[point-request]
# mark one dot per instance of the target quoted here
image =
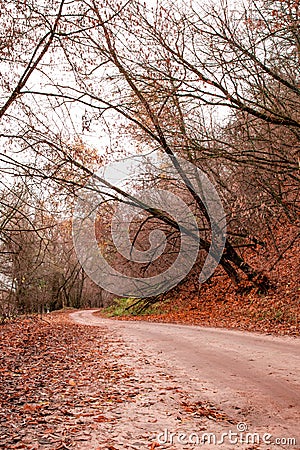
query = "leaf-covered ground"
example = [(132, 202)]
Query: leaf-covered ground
[(57, 383), (69, 386)]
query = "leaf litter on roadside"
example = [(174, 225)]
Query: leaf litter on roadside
[(56, 382)]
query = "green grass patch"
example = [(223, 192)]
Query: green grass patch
[(130, 307)]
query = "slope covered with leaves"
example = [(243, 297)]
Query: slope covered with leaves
[(218, 303)]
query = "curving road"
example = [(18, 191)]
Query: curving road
[(253, 378)]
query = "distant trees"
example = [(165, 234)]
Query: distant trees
[(38, 264)]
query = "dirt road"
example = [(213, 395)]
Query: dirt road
[(253, 378)]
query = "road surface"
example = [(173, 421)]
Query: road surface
[(251, 377)]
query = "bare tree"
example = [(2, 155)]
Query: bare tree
[(169, 73)]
